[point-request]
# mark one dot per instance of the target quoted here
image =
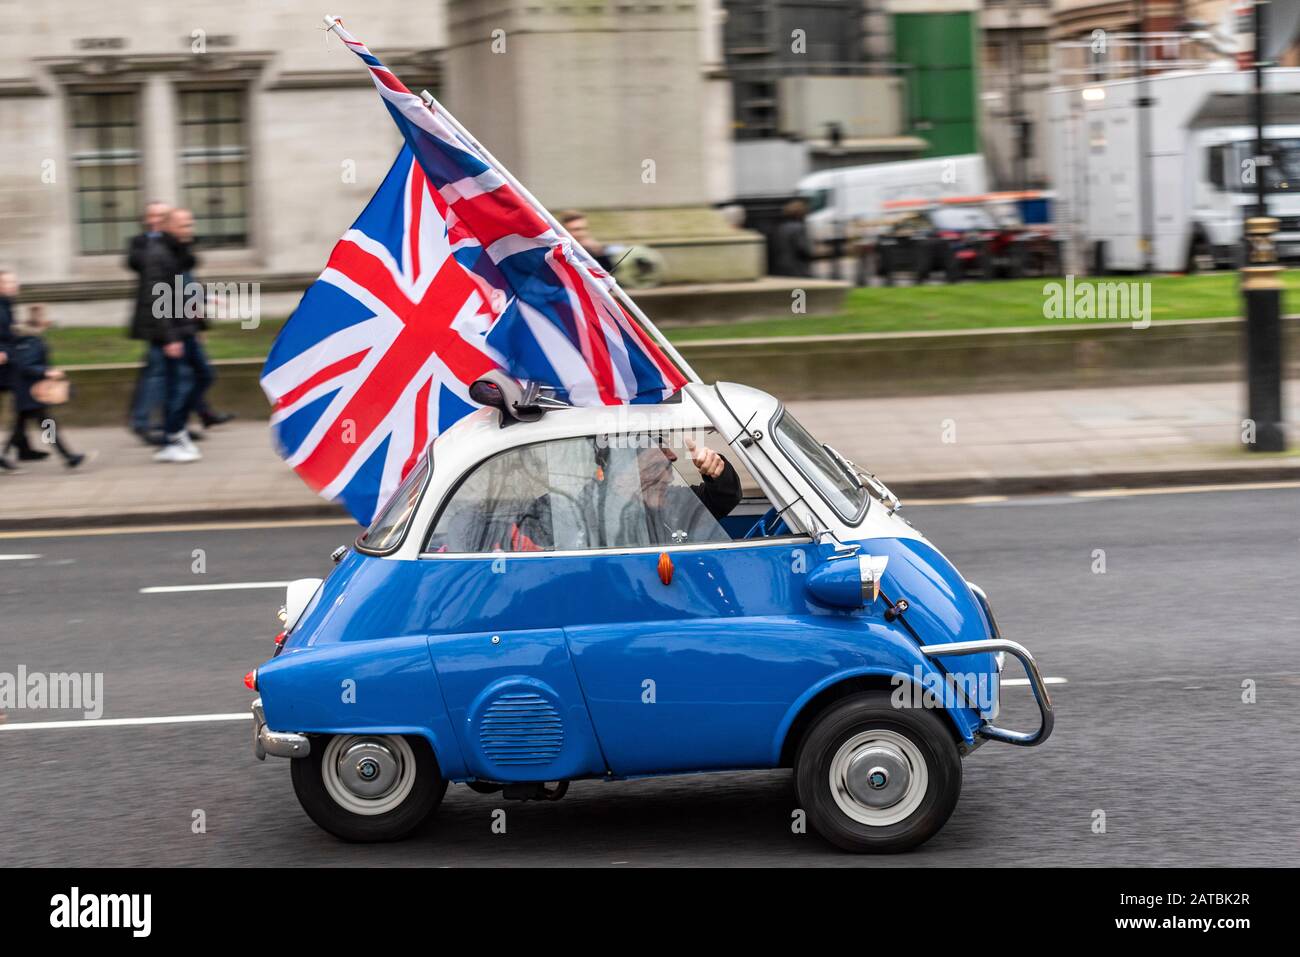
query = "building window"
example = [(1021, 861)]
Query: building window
[(214, 165), (106, 164)]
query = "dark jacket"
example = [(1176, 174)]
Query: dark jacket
[(135, 251), (164, 260), (30, 360), (6, 337), (791, 251)]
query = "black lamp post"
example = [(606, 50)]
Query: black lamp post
[(1261, 285)]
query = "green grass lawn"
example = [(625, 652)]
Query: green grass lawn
[(969, 305), (983, 305), (226, 340)]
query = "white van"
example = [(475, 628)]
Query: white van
[(839, 198)]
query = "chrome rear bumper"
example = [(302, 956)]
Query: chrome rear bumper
[(280, 744), (1025, 739)]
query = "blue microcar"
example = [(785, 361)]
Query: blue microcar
[(557, 593)]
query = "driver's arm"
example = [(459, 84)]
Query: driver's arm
[(719, 491)]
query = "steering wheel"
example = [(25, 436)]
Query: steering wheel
[(761, 528)]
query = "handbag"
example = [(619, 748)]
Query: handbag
[(51, 391)]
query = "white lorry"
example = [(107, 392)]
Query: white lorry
[(1199, 164), (842, 201)]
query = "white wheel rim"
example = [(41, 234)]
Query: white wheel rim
[(900, 777), (393, 779)]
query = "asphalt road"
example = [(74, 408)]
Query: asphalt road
[(1201, 592)]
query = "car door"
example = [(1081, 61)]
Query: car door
[(689, 645), (497, 605)]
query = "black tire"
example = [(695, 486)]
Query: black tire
[(922, 260), (1018, 261), (1099, 264), (952, 266), (423, 799), (1197, 249), (931, 738)]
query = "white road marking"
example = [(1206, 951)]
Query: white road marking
[(17, 558), (1013, 682), (224, 586), (126, 722)]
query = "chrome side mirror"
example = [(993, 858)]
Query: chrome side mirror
[(871, 569), (848, 580)]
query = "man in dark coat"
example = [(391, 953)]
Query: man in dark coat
[(174, 320), (150, 385), (791, 250), (8, 290), (148, 394)]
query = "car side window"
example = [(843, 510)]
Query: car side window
[(581, 493)]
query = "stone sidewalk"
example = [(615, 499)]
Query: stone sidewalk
[(929, 446)]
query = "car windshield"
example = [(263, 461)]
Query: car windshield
[(389, 526), (828, 471), (817, 199), (1281, 174)]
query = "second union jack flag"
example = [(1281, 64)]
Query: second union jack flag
[(447, 274)]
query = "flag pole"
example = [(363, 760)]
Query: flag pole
[(556, 225)]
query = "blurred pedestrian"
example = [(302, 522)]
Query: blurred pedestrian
[(791, 252), (8, 290), (575, 221), (174, 326), (149, 385), (147, 415), (36, 385)]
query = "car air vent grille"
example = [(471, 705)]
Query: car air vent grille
[(521, 728)]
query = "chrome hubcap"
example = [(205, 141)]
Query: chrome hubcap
[(368, 775), (368, 769), (878, 777)]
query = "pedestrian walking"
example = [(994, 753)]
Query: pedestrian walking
[(147, 415), (791, 250), (36, 385), (174, 326), (8, 290), (147, 396)]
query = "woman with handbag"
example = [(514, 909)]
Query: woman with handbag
[(36, 386)]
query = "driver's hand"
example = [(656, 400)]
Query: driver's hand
[(709, 463)]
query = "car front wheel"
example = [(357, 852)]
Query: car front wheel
[(368, 788), (875, 778)]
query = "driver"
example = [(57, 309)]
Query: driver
[(647, 503), (719, 492)]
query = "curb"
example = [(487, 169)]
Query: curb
[(971, 486), (956, 487)]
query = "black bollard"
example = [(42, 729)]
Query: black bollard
[(1261, 286)]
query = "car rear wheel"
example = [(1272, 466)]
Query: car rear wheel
[(369, 787), (875, 778)]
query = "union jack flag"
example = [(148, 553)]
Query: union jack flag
[(447, 274)]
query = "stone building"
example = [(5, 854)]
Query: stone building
[(246, 111), (259, 120)]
